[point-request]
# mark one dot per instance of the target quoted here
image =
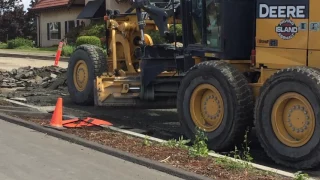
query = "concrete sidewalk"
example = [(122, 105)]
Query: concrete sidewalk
[(29, 155), (41, 55)]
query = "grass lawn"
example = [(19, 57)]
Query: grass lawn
[(42, 49), (26, 48), (47, 49)]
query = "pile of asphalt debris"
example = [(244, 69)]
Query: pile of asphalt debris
[(47, 77)]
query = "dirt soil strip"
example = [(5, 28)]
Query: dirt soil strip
[(171, 160)]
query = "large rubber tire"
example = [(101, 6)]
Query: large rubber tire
[(237, 100), (96, 63), (303, 81)]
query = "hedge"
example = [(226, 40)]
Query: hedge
[(19, 42), (93, 40)]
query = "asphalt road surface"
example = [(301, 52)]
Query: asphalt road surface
[(29, 155)]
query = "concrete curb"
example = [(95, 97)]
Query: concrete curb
[(104, 149), (39, 57)]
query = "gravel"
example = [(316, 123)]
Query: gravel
[(36, 82), (43, 77)]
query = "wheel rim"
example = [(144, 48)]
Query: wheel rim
[(80, 75), (206, 107), (293, 119)]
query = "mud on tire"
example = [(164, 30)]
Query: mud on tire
[(303, 81), (237, 99), (96, 63)]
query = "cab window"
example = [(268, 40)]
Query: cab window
[(213, 29), (197, 14)]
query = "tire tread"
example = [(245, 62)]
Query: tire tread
[(98, 59), (314, 75), (243, 116)]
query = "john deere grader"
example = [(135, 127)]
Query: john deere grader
[(237, 64)]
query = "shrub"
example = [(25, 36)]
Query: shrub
[(67, 50), (156, 37), (73, 34), (18, 42), (93, 40), (3, 45), (178, 29), (94, 30), (103, 42)]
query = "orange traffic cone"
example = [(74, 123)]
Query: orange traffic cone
[(56, 120)]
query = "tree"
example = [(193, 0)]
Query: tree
[(11, 19), (30, 26), (8, 5)]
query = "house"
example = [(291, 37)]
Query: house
[(56, 17)]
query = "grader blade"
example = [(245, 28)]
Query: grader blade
[(125, 92)]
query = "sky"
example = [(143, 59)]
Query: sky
[(26, 4)]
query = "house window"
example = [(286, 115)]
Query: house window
[(54, 30), (69, 25)]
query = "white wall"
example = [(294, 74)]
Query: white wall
[(112, 4), (61, 16)]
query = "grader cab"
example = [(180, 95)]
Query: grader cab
[(238, 64)]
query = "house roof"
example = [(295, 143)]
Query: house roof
[(93, 9), (45, 4)]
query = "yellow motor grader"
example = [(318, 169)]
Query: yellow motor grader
[(238, 64)]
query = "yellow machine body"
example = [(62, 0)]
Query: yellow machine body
[(295, 38), (277, 90), (112, 88)]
